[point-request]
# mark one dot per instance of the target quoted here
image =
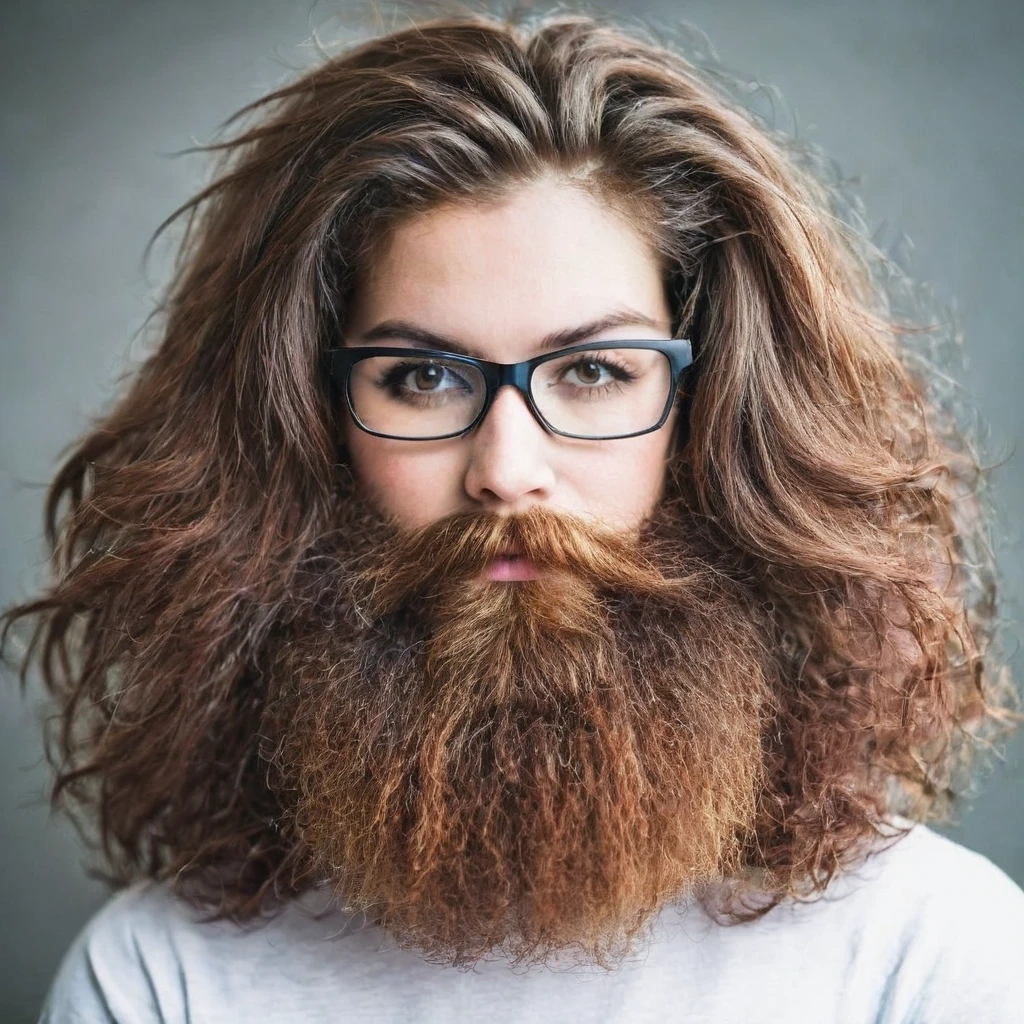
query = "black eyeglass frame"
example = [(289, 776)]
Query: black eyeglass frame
[(678, 351)]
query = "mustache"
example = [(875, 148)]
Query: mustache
[(421, 563)]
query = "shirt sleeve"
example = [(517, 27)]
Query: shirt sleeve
[(968, 953), (111, 974)]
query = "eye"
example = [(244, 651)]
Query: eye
[(589, 372), (426, 377), (423, 377)]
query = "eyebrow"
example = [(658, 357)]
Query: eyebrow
[(403, 330)]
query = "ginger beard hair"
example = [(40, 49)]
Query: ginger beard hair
[(536, 766)]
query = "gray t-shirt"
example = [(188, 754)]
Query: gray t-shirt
[(925, 932)]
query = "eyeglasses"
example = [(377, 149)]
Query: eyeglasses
[(604, 390)]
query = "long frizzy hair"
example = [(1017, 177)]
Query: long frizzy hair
[(815, 468)]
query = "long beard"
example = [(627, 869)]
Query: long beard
[(533, 767)]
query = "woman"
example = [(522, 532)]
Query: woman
[(528, 544)]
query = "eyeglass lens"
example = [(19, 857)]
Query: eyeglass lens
[(604, 393)]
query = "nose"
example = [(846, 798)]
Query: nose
[(509, 464)]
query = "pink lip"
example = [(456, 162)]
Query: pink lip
[(510, 568)]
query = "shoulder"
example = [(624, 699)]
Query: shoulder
[(932, 877), (103, 975), (149, 956), (946, 926), (120, 966)]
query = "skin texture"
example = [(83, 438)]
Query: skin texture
[(497, 279)]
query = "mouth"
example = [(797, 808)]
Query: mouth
[(510, 567)]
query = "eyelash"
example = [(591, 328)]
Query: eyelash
[(392, 377), (617, 369)]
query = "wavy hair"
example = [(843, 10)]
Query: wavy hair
[(817, 470)]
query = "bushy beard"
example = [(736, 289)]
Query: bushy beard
[(533, 768)]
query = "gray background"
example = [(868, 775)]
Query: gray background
[(921, 99)]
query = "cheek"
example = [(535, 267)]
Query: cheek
[(621, 481), (417, 482)]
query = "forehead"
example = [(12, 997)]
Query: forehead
[(499, 277)]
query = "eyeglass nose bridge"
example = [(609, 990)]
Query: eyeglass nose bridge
[(515, 375)]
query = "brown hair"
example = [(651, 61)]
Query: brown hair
[(817, 472)]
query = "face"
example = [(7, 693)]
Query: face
[(530, 768), (505, 716), (496, 280)]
